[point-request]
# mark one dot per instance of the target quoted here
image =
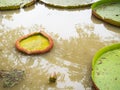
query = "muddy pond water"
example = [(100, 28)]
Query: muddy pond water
[(77, 37)]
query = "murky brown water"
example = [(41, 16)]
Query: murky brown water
[(77, 37)]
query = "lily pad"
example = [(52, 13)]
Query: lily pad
[(106, 68), (35, 43), (108, 11), (68, 3), (15, 4)]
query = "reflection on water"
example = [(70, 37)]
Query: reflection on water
[(76, 39)]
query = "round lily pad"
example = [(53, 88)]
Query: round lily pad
[(35, 43), (68, 3), (106, 68), (108, 11), (15, 4)]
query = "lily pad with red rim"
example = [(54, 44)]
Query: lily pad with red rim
[(68, 3), (108, 11), (106, 68), (15, 4), (35, 43)]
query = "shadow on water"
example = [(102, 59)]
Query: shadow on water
[(106, 25), (112, 28), (96, 20), (11, 12), (30, 8)]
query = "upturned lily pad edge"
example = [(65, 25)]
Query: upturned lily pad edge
[(98, 54), (110, 21), (67, 6), (17, 6), (48, 4), (18, 47)]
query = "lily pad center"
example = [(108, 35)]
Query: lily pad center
[(35, 42)]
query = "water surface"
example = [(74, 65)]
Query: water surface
[(77, 37)]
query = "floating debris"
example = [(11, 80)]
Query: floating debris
[(53, 78), (11, 78)]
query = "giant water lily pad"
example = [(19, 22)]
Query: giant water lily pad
[(106, 68), (68, 3), (108, 11), (15, 4), (35, 43)]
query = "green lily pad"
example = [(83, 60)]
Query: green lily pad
[(108, 11), (68, 3), (106, 68), (15, 4)]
